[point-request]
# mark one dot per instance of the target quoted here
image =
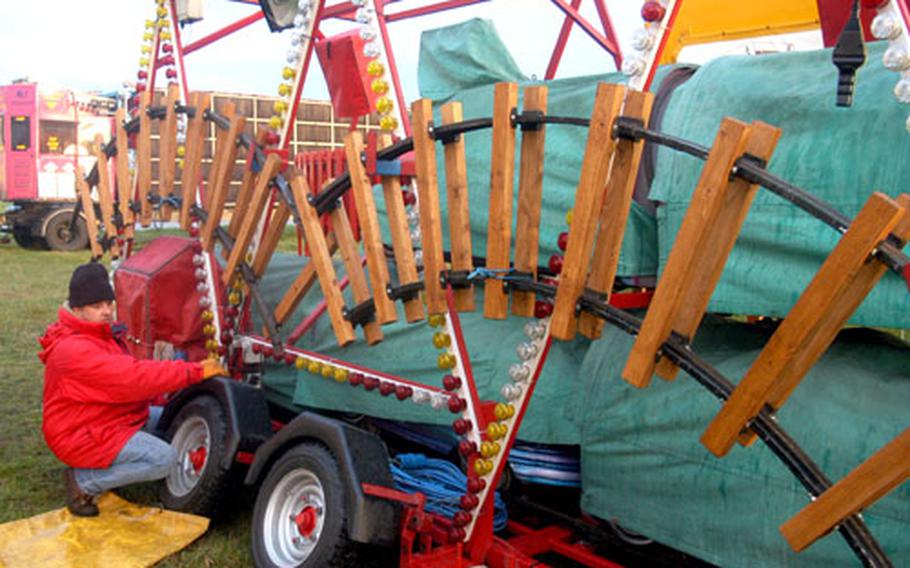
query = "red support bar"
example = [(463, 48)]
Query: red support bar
[(609, 44), (609, 30), (432, 9), (560, 46), (223, 32)]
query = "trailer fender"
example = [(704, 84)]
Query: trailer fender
[(245, 409), (362, 458)]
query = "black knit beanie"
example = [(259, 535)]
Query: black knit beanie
[(89, 285)]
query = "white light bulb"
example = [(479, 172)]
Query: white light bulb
[(535, 330), (198, 260), (296, 39), (367, 33), (526, 350), (305, 7), (415, 236), (418, 258), (300, 21), (364, 15), (519, 372), (633, 66), (200, 274), (511, 392), (643, 40), (885, 27), (439, 402), (420, 397), (896, 58), (202, 288), (902, 91), (372, 50), (359, 2), (204, 302), (293, 56), (413, 217)]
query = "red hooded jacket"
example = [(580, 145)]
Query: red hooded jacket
[(96, 396)]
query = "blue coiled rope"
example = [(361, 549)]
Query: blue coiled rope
[(443, 484)]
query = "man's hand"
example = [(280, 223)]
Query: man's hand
[(212, 368)]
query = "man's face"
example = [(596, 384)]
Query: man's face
[(99, 312)]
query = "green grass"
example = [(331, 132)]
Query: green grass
[(34, 286)]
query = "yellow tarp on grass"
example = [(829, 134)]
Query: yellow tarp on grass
[(123, 535)]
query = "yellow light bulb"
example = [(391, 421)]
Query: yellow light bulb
[(180, 163), (327, 371), (143, 62), (148, 36), (276, 122), (569, 217), (208, 329), (436, 320), (165, 35), (279, 107), (384, 105), (288, 73), (314, 367), (379, 86), (211, 345), (146, 49), (181, 151), (445, 361), (341, 375), (388, 123), (234, 298), (375, 68), (162, 11), (149, 24), (284, 89), (300, 363), (441, 339), (207, 315)]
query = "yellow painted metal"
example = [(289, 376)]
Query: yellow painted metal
[(123, 535), (707, 21)]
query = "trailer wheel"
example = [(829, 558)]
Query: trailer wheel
[(299, 517), (25, 239), (59, 236), (198, 483)]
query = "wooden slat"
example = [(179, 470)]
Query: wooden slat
[(502, 182), (124, 179), (321, 259), (301, 285), (832, 321), (459, 207), (595, 167), (369, 229), (428, 203), (223, 166), (530, 195), (192, 157), (353, 268), (251, 216), (401, 237), (88, 210), (269, 241), (144, 160), (614, 213), (869, 482), (694, 233), (827, 289), (709, 264), (246, 188), (105, 199), (167, 149)]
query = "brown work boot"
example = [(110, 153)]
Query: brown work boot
[(78, 502)]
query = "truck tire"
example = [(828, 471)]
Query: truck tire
[(58, 235), (25, 239), (299, 516), (198, 484)]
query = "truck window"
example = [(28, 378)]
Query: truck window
[(20, 133), (57, 137)]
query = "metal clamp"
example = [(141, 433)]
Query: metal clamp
[(361, 314), (405, 292)]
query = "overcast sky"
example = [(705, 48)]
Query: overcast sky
[(95, 44)]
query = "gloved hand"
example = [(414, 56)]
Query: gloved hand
[(212, 368)]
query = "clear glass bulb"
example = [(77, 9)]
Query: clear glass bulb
[(365, 14), (359, 2), (204, 302), (534, 330), (372, 49), (200, 274), (439, 402), (418, 258), (293, 56), (511, 391), (895, 58), (304, 7), (902, 91), (885, 27), (202, 288), (642, 40), (198, 260), (300, 21), (415, 236), (367, 33), (519, 372), (420, 396), (296, 39), (413, 217), (633, 66)]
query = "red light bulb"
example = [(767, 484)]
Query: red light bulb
[(370, 383), (456, 403), (563, 240), (461, 519), (652, 11), (451, 382), (542, 309), (555, 264), (461, 426), (403, 392), (408, 197), (386, 388), (469, 502), (476, 484), (356, 379), (467, 448)]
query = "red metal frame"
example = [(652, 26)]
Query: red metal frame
[(607, 41)]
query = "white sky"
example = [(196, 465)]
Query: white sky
[(95, 44)]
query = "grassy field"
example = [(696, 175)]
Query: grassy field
[(34, 286)]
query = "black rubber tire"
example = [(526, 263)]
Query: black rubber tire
[(210, 491), (332, 544), (25, 239), (58, 235)]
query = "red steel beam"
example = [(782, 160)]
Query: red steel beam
[(560, 46), (607, 24), (607, 43), (431, 9), (223, 32)]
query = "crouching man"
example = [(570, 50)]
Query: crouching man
[(97, 396)]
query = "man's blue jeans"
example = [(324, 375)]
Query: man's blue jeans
[(143, 458)]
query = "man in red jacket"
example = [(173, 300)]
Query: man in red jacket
[(96, 396)]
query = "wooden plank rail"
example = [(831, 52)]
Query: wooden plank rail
[(192, 157), (167, 150), (428, 203), (222, 167), (588, 197), (124, 179), (401, 238), (251, 215), (764, 382), (269, 242), (321, 258), (696, 230), (369, 229), (144, 160), (105, 199), (246, 188), (709, 264), (530, 195), (869, 482), (502, 181), (459, 207), (614, 214), (360, 290), (88, 210)]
